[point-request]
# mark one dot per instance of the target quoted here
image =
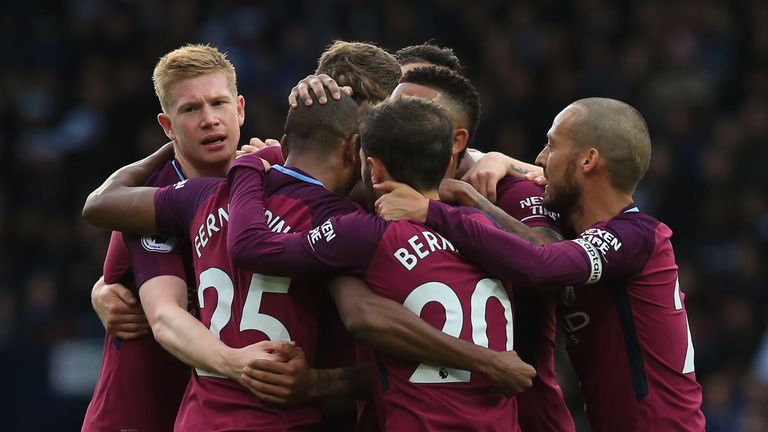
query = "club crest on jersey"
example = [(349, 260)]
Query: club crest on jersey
[(159, 243)]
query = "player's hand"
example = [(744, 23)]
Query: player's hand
[(119, 310), (536, 177), (458, 192), (317, 85), (285, 382), (255, 145), (487, 172), (510, 373), (400, 201)]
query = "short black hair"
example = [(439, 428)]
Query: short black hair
[(412, 137), (455, 86), (429, 53), (322, 126)]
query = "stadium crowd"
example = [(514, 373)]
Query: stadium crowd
[(77, 102)]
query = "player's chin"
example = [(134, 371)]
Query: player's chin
[(218, 157)]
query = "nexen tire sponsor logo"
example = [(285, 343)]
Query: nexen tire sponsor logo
[(595, 260)]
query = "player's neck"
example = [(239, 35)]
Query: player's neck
[(596, 206), (191, 170), (325, 171)]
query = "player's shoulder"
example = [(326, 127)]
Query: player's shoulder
[(632, 219), (630, 229), (518, 186), (166, 174)]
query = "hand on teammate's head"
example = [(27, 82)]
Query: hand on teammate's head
[(317, 84)]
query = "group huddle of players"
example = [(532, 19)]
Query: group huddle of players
[(347, 280)]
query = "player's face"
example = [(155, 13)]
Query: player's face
[(204, 121), (558, 158)]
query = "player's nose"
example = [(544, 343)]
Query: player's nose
[(209, 116)]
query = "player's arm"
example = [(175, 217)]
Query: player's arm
[(293, 382), (250, 243), (253, 246), (462, 193), (120, 203), (165, 302), (485, 174), (389, 327), (495, 251)]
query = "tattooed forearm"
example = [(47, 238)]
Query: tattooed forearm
[(519, 170), (508, 223)]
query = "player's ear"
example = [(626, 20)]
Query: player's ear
[(284, 146), (379, 172), (351, 150), (165, 123), (590, 160), (460, 140), (240, 109)]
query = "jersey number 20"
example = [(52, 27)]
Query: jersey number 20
[(454, 321)]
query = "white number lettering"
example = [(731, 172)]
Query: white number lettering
[(688, 366), (251, 319), (454, 321), (267, 324)]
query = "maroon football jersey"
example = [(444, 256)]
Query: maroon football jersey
[(140, 384), (541, 408), (241, 307), (408, 263), (627, 330)]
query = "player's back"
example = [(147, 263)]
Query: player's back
[(420, 269), (628, 334), (242, 308)]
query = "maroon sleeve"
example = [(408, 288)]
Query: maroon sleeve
[(523, 201), (511, 258), (176, 205), (624, 244), (340, 243), (271, 154), (153, 256), (118, 260)]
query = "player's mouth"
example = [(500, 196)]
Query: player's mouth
[(214, 141)]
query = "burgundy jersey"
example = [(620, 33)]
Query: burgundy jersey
[(241, 307), (627, 333), (140, 384), (408, 263), (542, 407)]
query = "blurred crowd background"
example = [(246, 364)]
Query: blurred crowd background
[(76, 102)]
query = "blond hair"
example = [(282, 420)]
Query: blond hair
[(190, 61)]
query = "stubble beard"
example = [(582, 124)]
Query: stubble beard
[(565, 198)]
